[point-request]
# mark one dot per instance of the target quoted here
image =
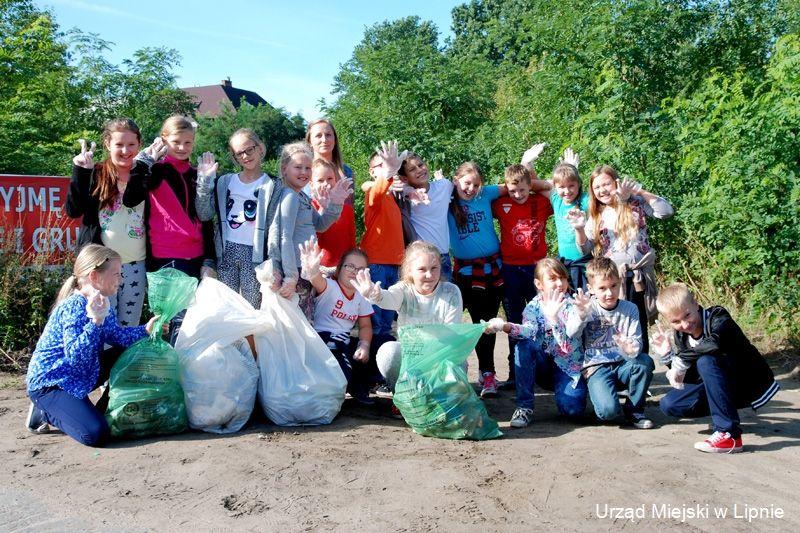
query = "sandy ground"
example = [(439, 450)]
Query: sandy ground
[(371, 472)]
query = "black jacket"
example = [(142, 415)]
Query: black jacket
[(722, 337), (82, 203)]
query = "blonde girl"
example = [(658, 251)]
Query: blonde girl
[(95, 194), (69, 361)]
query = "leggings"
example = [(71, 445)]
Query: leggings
[(237, 271), (482, 304), (130, 297)]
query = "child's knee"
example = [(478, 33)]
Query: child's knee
[(571, 406), (607, 408), (95, 433)]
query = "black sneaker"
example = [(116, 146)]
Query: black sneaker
[(35, 421), (383, 391), (639, 421)]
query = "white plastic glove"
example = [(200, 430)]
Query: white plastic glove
[(86, 158), (97, 307), (659, 342), (341, 191), (207, 169), (310, 259), (571, 157), (629, 347), (532, 154), (157, 150), (582, 302), (675, 378), (364, 285), (416, 196), (495, 325), (576, 218), (627, 188), (288, 288), (438, 174), (362, 352), (391, 159), (551, 303)]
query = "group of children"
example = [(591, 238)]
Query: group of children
[(153, 209)]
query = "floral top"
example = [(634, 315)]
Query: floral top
[(566, 351), (67, 355), (122, 229)]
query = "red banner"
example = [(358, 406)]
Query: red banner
[(32, 217)]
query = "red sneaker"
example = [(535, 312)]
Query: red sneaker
[(720, 442), (489, 389)]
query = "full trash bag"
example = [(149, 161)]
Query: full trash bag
[(145, 395), (301, 381), (432, 392), (218, 372)]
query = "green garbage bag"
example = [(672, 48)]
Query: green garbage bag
[(432, 391), (145, 395)]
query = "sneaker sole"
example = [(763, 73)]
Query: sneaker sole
[(700, 448), (489, 394)]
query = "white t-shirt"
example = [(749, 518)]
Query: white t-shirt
[(336, 313), (122, 228), (443, 306), (430, 221), (240, 209)]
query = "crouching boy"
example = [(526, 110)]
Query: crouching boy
[(714, 368), (612, 343)]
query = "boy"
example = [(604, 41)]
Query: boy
[(544, 354), (522, 217), (714, 368), (612, 343)]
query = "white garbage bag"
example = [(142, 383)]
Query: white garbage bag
[(218, 373)]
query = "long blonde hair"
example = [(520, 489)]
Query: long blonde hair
[(625, 225), (91, 257), (412, 251)]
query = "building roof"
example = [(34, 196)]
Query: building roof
[(211, 98)]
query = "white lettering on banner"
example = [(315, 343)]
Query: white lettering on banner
[(17, 239), (52, 239), (31, 198)]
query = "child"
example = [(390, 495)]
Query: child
[(429, 217), (383, 228), (714, 368), (612, 343), (341, 236), (544, 353), (522, 217), (421, 297), (95, 194), (245, 206), (617, 228), (476, 268), (337, 308), (298, 221), (69, 361)]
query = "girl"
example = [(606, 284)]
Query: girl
[(297, 221), (476, 250), (546, 354), (420, 297), (617, 228), (429, 218), (341, 236), (337, 308), (321, 135), (69, 361), (245, 205), (95, 193), (175, 234)]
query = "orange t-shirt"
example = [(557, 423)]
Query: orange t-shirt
[(383, 226)]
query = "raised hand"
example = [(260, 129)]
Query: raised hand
[(157, 150), (310, 259), (629, 347), (207, 167), (571, 157), (495, 325), (364, 285), (322, 196), (417, 196), (627, 188), (582, 302), (576, 218), (391, 159), (97, 307), (85, 159), (362, 352), (660, 341), (438, 174), (532, 154), (341, 191), (551, 302)]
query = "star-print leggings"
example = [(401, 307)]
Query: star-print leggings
[(130, 296)]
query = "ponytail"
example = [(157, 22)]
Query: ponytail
[(66, 289), (91, 257)]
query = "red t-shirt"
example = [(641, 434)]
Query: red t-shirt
[(339, 237), (522, 235)]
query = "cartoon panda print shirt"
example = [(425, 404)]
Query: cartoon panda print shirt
[(240, 209)]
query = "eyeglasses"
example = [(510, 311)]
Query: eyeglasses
[(250, 150), (350, 267)]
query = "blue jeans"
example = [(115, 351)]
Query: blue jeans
[(632, 374), (447, 268), (518, 290), (712, 394), (533, 365), (576, 268), (382, 319)]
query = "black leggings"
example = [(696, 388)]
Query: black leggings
[(637, 298), (482, 304)]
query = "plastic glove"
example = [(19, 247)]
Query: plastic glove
[(571, 157), (97, 307), (157, 150), (416, 196), (363, 284), (582, 302), (310, 259), (532, 154), (86, 158), (391, 159), (629, 347), (551, 303), (627, 188), (287, 288), (438, 174), (207, 169), (675, 377), (495, 325), (576, 218), (341, 191), (659, 342), (362, 352)]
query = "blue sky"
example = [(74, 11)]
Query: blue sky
[(287, 51)]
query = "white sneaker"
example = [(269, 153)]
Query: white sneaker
[(522, 418), (35, 421)]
